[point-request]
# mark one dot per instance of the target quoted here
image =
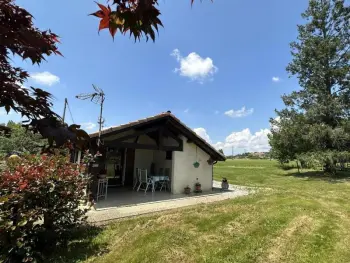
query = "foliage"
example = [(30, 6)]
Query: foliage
[(316, 118), (39, 204), (59, 133), (221, 151), (325, 159), (20, 140), (20, 37), (138, 17)]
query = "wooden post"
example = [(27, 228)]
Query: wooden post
[(124, 166), (79, 157)]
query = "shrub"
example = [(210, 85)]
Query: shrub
[(40, 199)]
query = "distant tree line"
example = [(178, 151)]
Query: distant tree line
[(249, 155)]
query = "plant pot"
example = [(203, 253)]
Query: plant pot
[(198, 188), (224, 185), (102, 176), (187, 190)]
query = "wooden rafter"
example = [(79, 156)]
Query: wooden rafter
[(132, 145)]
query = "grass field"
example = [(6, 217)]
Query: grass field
[(294, 218)]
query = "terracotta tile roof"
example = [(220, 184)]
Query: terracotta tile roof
[(168, 114), (131, 124)]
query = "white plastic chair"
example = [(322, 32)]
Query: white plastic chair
[(102, 189), (144, 180), (165, 183), (136, 178)]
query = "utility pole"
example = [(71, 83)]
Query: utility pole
[(64, 109), (232, 152)]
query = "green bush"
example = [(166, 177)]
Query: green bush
[(40, 199)]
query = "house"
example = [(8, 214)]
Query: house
[(154, 143)]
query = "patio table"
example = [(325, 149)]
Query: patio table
[(158, 178)]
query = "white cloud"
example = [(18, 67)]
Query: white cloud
[(276, 79), (194, 66), (241, 141), (202, 133), (186, 111), (245, 140), (243, 112), (45, 78), (88, 125)]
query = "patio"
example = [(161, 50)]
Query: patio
[(123, 196), (131, 203)]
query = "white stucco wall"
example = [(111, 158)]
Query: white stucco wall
[(185, 173), (144, 158)]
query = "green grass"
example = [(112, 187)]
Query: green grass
[(294, 218)]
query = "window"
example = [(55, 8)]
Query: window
[(168, 155)]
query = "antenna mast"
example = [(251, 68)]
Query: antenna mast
[(98, 97), (64, 109)]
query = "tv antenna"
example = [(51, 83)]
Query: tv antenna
[(98, 97)]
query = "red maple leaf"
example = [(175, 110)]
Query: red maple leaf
[(104, 14)]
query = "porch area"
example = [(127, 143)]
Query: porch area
[(118, 197), (160, 154), (125, 203)]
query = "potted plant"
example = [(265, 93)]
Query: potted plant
[(187, 189), (224, 184), (198, 187)]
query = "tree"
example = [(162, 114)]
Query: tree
[(20, 140), (315, 122)]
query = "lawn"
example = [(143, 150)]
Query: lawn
[(293, 218)]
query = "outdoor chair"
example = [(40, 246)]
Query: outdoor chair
[(144, 180), (136, 178), (168, 173), (165, 183), (102, 188)]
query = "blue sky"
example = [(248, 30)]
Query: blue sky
[(219, 67)]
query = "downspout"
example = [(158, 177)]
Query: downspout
[(212, 174)]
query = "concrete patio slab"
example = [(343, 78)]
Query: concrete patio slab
[(137, 203)]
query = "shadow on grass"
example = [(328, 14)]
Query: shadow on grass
[(340, 177), (80, 246)]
